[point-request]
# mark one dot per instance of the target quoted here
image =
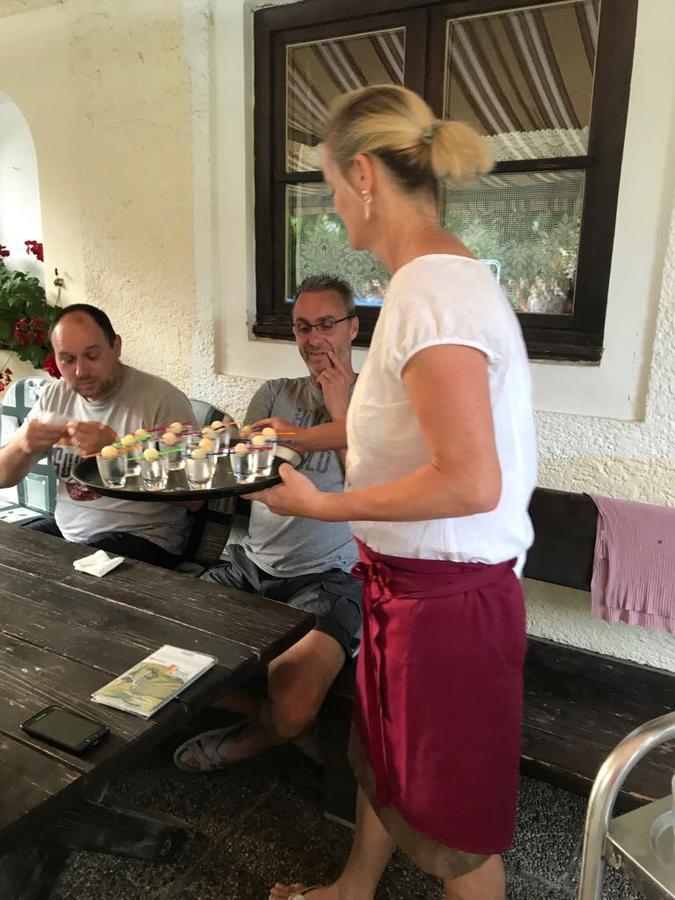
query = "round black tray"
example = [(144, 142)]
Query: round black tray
[(224, 483)]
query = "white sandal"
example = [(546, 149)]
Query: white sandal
[(208, 748)]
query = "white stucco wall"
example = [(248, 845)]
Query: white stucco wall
[(20, 217), (141, 113), (105, 92)]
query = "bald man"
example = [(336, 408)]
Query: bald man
[(98, 400)]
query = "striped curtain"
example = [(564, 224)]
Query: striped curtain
[(524, 79), (319, 72)]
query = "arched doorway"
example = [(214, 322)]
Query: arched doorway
[(20, 216)]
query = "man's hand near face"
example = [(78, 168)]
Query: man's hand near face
[(335, 382)]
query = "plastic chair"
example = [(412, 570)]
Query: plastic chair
[(38, 489)]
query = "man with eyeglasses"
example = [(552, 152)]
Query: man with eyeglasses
[(297, 561)]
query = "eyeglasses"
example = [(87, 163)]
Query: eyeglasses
[(326, 325)]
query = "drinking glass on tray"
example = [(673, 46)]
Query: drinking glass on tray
[(199, 468), (263, 454), (243, 462), (173, 446), (112, 467), (154, 470)]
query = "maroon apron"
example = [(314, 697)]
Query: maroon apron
[(438, 700)]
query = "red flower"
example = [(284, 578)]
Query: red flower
[(30, 330), (49, 364), (35, 247), (3, 250)]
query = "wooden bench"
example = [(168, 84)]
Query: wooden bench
[(578, 704)]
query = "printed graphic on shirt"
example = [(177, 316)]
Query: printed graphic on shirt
[(317, 460), (64, 460)]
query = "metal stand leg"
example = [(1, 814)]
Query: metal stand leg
[(613, 773)]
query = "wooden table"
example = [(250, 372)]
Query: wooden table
[(63, 635)]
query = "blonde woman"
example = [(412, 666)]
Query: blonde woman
[(440, 468)]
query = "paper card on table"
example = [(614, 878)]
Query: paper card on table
[(17, 514), (152, 682)]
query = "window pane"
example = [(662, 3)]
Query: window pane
[(318, 72), (316, 243), (526, 226), (525, 79)]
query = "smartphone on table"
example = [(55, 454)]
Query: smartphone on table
[(67, 730)]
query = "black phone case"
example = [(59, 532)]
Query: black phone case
[(31, 727)]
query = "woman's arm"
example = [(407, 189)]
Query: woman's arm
[(449, 389)]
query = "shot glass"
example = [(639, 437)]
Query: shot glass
[(199, 469), (191, 441), (214, 436), (112, 469), (263, 455), (154, 473), (174, 448), (133, 460), (224, 433), (143, 438), (226, 438), (242, 461)]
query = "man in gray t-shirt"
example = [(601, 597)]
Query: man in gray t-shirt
[(97, 401), (296, 560), (286, 546)]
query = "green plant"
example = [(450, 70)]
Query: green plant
[(25, 317)]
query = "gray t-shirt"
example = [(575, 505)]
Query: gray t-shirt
[(141, 401), (289, 546)]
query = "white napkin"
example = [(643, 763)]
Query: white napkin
[(52, 418), (98, 563)]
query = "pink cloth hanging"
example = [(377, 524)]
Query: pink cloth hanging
[(634, 564)]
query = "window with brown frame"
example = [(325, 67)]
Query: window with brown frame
[(545, 81)]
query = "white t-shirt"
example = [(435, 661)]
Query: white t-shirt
[(141, 401), (443, 299)]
